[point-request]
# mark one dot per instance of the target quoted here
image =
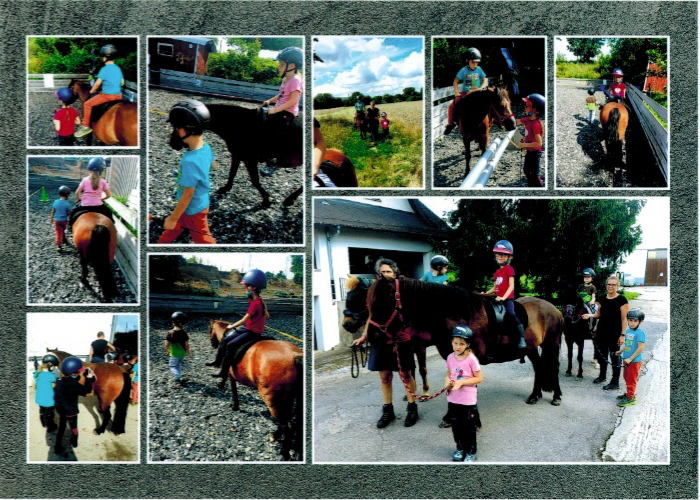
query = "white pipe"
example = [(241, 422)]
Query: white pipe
[(475, 172), (482, 171)]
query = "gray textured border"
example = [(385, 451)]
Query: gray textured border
[(675, 19)]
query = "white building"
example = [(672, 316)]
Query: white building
[(350, 234)]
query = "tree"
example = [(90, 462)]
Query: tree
[(633, 54), (193, 260), (297, 268), (585, 49), (325, 101), (388, 98), (281, 276), (164, 271), (242, 63)]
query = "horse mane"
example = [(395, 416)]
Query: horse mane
[(352, 283)]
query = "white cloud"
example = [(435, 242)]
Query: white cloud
[(413, 65)]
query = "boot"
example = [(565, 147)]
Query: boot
[(603, 370), (74, 440), (387, 416), (217, 360), (42, 417), (411, 415), (521, 344), (615, 382)]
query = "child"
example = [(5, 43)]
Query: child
[(66, 395), (591, 104), (463, 375), (359, 110), (631, 352), (472, 78), (135, 382), (45, 376), (255, 282), (91, 192), (177, 345), (190, 119), (385, 125), (373, 121), (66, 118), (291, 60), (438, 264), (111, 79), (587, 291), (617, 90), (532, 142), (504, 284), (60, 211)]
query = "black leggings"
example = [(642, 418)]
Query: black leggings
[(232, 342), (72, 423), (531, 168), (465, 420), (46, 415)]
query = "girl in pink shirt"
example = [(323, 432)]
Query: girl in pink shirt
[(92, 190)]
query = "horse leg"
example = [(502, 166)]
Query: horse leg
[(536, 394), (122, 406), (252, 167), (231, 174), (106, 416), (423, 369), (84, 272), (289, 200), (569, 353), (234, 398), (579, 357)]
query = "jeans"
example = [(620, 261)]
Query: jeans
[(175, 365), (590, 116)]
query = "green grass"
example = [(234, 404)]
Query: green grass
[(660, 120), (630, 295), (577, 70)]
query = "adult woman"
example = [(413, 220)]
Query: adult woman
[(99, 349), (383, 360), (373, 118), (611, 331)]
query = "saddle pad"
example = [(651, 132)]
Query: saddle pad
[(243, 348)]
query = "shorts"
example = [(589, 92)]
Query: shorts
[(383, 358)]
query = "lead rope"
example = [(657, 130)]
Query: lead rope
[(355, 362), (405, 384)]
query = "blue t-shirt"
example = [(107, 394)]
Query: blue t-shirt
[(44, 387), (111, 76), (194, 172), (135, 371), (632, 340), (440, 278), (470, 78), (61, 209)]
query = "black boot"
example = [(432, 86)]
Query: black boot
[(74, 441), (49, 419), (411, 415), (603, 371), (521, 344), (387, 416), (217, 360), (615, 382)]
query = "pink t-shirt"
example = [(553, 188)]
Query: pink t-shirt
[(501, 279), (294, 84), (460, 369), (91, 197)]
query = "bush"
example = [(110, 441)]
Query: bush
[(243, 64), (578, 70)]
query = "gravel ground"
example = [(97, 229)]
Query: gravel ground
[(449, 166), (580, 159), (195, 422), (41, 107), (236, 217), (54, 278)]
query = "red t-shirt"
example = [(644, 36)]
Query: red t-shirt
[(67, 118), (256, 323), (618, 89), (501, 279), (532, 128)]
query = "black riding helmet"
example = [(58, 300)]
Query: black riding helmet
[(109, 51), (635, 313), (438, 262), (473, 54), (190, 114), (50, 358), (591, 91), (463, 332), (127, 357), (179, 317), (111, 356), (291, 55), (63, 191), (588, 272)]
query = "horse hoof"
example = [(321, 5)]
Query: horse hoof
[(568, 374), (266, 203), (580, 375), (532, 400), (223, 190), (235, 408), (556, 402), (97, 432)]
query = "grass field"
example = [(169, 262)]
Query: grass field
[(577, 70), (394, 162)]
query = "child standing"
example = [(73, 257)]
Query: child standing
[(66, 118), (472, 77), (66, 396), (463, 375), (111, 79), (59, 215), (632, 355), (504, 284), (438, 264), (385, 125), (45, 376), (190, 118), (91, 192), (135, 382), (591, 104), (535, 106), (177, 345)]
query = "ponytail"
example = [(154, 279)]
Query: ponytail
[(95, 180)]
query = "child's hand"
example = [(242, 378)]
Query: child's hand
[(585, 316), (170, 223), (499, 299)]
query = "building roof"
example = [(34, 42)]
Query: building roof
[(352, 214), (197, 40)]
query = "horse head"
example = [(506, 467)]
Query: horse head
[(500, 110), (217, 331), (355, 313)]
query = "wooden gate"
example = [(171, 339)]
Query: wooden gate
[(656, 272)]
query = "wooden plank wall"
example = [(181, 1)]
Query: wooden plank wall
[(656, 134), (219, 306)]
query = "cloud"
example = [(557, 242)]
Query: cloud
[(413, 65)]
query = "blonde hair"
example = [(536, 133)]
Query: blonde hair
[(95, 179)]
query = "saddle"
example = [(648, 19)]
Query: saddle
[(503, 336), (243, 348), (79, 210)]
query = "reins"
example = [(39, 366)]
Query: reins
[(355, 362)]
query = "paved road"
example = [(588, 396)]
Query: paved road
[(587, 427)]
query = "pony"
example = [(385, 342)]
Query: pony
[(434, 310), (474, 114), (275, 368), (95, 239), (576, 329), (614, 119), (338, 168), (117, 125), (112, 385)]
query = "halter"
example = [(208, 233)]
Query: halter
[(499, 116), (397, 311)]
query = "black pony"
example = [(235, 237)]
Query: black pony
[(576, 329)]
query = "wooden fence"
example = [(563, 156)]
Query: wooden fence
[(215, 86), (656, 134), (49, 83), (127, 254), (219, 306), (439, 113)]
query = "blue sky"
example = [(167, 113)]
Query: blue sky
[(560, 44), (371, 65)]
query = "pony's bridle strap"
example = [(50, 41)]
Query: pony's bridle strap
[(500, 116), (397, 311)]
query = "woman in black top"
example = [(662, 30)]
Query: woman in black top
[(373, 117), (611, 331), (99, 348)]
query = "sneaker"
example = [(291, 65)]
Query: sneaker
[(470, 457), (74, 441), (458, 456), (611, 387), (627, 402), (449, 129), (83, 131), (598, 380), (444, 424), (58, 248), (622, 396)]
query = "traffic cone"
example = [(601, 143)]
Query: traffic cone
[(43, 194)]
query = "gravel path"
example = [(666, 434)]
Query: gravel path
[(41, 106), (54, 278), (195, 422), (580, 147), (236, 217)]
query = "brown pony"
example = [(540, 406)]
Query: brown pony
[(338, 168), (275, 367), (112, 385), (95, 239), (475, 112), (434, 310), (119, 124), (614, 118)]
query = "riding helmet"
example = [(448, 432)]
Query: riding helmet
[(617, 72), (635, 313), (588, 272), (383, 113), (179, 317), (503, 246), (190, 114), (109, 51), (65, 95), (291, 55), (111, 356), (473, 54), (255, 278), (463, 332), (96, 164), (591, 91), (71, 365), (536, 101), (438, 262), (63, 191), (50, 358), (127, 357)]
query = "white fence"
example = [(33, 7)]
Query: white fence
[(127, 254), (49, 83), (439, 112)]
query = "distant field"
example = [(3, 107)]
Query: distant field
[(408, 113)]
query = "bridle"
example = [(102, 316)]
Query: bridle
[(500, 117), (395, 314)]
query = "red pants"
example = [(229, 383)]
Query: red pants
[(60, 228), (631, 375), (96, 101), (451, 107), (134, 392), (197, 225)]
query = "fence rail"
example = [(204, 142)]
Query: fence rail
[(49, 83), (656, 134), (217, 86), (219, 305)]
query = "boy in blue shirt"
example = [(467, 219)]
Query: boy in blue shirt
[(189, 119), (59, 215), (472, 77), (45, 377), (632, 355), (438, 264)]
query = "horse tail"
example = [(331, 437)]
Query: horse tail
[(122, 406), (98, 256), (549, 361), (611, 133), (296, 425)]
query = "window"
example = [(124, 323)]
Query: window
[(165, 49)]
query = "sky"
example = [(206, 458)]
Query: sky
[(371, 65), (560, 48), (268, 262)]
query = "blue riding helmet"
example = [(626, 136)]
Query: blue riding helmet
[(588, 272), (65, 95), (63, 191), (50, 358), (71, 365), (617, 72), (536, 101), (473, 54), (503, 246), (255, 278), (109, 51), (96, 164), (190, 114), (291, 55), (463, 332), (438, 262), (635, 313)]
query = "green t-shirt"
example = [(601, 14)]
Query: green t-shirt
[(177, 340)]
